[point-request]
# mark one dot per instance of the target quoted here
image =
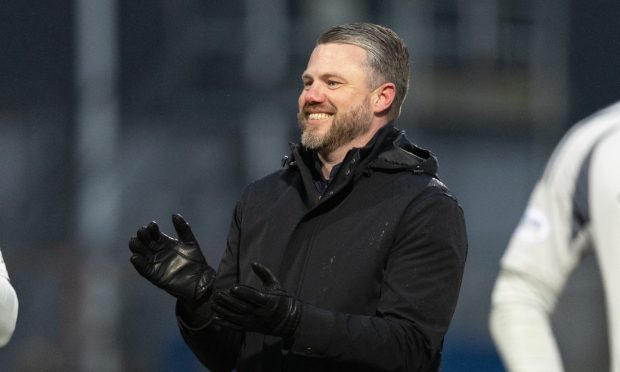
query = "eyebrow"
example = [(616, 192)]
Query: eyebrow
[(305, 75)]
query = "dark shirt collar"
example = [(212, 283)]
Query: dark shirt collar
[(320, 182), (317, 174)]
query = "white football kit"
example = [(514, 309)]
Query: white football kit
[(8, 305), (574, 209)]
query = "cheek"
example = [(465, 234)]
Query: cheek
[(301, 101)]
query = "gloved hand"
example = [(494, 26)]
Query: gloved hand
[(175, 265), (270, 311)]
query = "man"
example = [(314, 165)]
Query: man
[(350, 258), (574, 209), (8, 305)]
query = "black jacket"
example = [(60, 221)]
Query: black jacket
[(377, 260)]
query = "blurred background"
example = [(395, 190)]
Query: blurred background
[(116, 113)]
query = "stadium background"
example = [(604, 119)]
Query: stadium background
[(115, 113)]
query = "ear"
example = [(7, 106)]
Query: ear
[(383, 97)]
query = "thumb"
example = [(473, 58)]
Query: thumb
[(183, 230), (269, 280)]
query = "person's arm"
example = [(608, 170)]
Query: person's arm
[(605, 208), (419, 294), (520, 323), (420, 289), (216, 347), (179, 267), (534, 270), (540, 257), (8, 305)]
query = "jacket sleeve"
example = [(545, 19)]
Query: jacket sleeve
[(216, 347), (421, 283)]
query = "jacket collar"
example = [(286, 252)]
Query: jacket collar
[(388, 150)]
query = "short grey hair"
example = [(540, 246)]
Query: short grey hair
[(388, 56)]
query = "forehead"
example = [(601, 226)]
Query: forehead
[(337, 58)]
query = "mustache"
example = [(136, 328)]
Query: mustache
[(310, 108)]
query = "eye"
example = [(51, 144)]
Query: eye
[(333, 83)]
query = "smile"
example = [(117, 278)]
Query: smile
[(319, 116)]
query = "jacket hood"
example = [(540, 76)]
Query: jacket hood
[(398, 153), (389, 150)]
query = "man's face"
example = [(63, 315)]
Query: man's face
[(334, 105)]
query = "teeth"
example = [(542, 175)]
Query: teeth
[(318, 116)]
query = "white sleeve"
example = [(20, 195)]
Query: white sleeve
[(538, 260), (543, 246), (605, 210), (547, 245), (8, 305), (520, 324)]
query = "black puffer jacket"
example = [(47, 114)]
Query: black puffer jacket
[(377, 260)]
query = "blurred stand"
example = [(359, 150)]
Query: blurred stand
[(99, 188), (113, 114)]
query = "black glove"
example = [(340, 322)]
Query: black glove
[(175, 265), (270, 311)]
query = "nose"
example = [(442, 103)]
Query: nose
[(312, 93)]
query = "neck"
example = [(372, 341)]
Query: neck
[(329, 160), (335, 157)]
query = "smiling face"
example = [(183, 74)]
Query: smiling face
[(335, 105)]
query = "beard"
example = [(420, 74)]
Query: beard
[(345, 127)]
